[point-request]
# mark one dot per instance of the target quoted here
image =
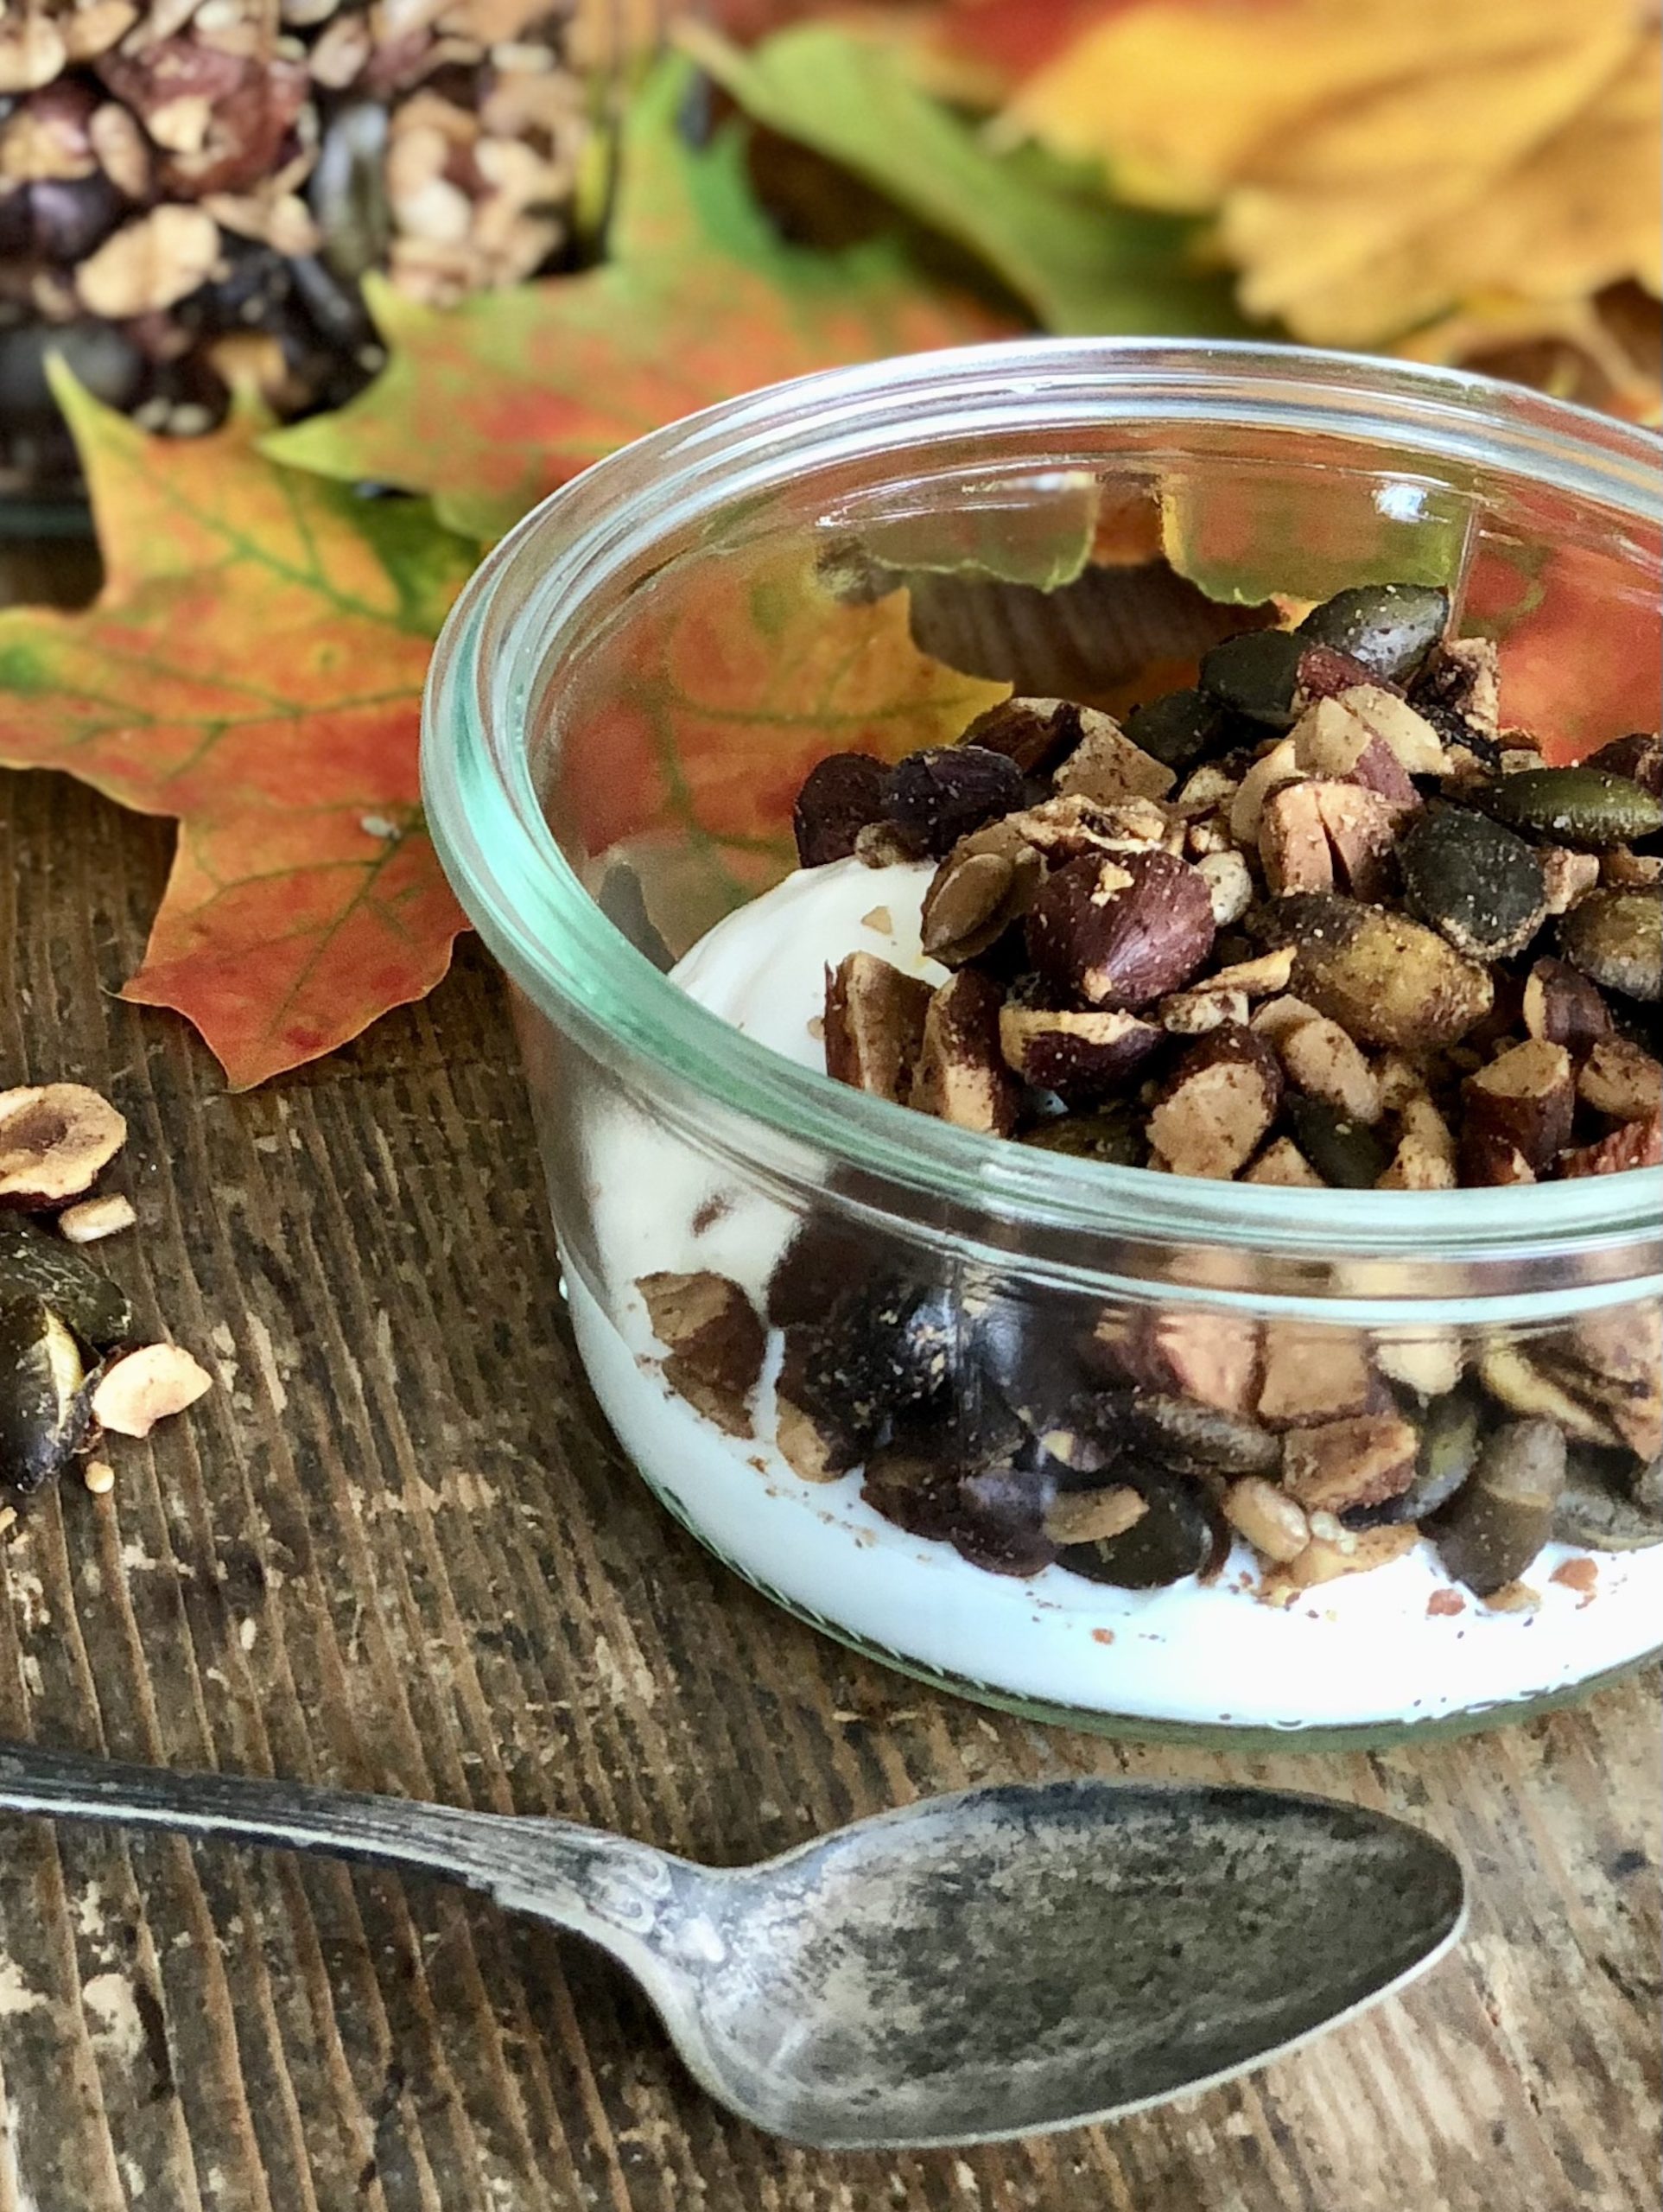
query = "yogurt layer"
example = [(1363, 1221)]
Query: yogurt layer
[(1367, 1650)]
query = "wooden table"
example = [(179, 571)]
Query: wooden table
[(398, 1549)]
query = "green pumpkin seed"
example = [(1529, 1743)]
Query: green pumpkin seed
[(1256, 674), (1616, 937), (1173, 1540), (35, 1264), (1502, 1517), (1481, 888), (1113, 1137), (1182, 728), (1449, 1436), (1598, 1507), (1390, 628), (43, 1413), (1347, 1154), (1582, 808)]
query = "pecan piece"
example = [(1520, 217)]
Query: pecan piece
[(1079, 1056), (1342, 1464), (1524, 1100), (716, 1343), (1218, 1106), (1636, 1144), (961, 1075), (1562, 1007), (1106, 765), (1623, 1081), (1121, 932), (874, 1025)]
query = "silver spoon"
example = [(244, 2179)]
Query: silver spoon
[(997, 1963)]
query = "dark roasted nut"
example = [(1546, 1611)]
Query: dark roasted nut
[(1579, 807), (1638, 756), (1390, 628), (1183, 727), (1525, 1100), (1113, 1137), (1502, 1517), (1002, 1522), (1387, 979), (1451, 1430), (1121, 932), (875, 1020), (43, 1412), (55, 1140), (1621, 1080), (1563, 1008), (915, 1488), (35, 1265), (1081, 1056), (1617, 937), (842, 794), (716, 1342), (960, 1076), (1636, 1144), (1106, 765), (1175, 1537), (940, 794), (1034, 732), (979, 891), (1340, 1466), (1255, 674), (1476, 883), (823, 1257), (1461, 678), (1218, 1105), (883, 1351), (1489, 1161), (1598, 1506)]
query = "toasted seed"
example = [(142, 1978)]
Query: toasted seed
[(1385, 978), (1451, 1430), (1598, 1508), (1390, 628), (1477, 884), (1183, 727), (1182, 1433), (1256, 674), (1345, 1152), (1113, 1137), (32, 1264), (1170, 1541), (1502, 1517), (1638, 756), (1617, 937), (1580, 807), (974, 899), (43, 1395)]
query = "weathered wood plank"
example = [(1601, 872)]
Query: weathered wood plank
[(398, 1549)]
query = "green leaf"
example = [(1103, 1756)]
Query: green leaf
[(1083, 264)]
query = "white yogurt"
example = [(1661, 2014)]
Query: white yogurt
[(1362, 1650)]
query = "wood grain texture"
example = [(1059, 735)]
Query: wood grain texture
[(397, 1550)]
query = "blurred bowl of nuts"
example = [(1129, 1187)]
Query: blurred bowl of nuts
[(193, 191), (1085, 920)]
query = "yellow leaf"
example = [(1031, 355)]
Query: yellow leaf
[(1376, 163)]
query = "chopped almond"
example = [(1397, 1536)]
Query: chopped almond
[(962, 1075), (1342, 1464), (143, 1386), (1219, 1105), (1620, 1079), (1294, 847), (94, 1219), (1283, 1164), (1524, 1100), (1322, 1061), (874, 1025), (1313, 1374)]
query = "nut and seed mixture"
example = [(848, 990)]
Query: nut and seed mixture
[(73, 1372), (1321, 920), (192, 190)]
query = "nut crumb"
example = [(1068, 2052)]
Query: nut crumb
[(879, 919), (99, 1476), (1444, 1604), (1581, 1575), (1102, 1636), (95, 1219)]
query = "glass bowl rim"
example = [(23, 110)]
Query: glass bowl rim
[(557, 945)]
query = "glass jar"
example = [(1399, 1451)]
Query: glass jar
[(885, 1367)]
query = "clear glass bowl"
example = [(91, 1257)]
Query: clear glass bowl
[(621, 710)]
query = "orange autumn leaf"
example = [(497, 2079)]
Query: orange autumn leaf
[(254, 667), (1374, 163), (696, 726), (491, 405)]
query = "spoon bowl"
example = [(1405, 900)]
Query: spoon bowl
[(1000, 1962)]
